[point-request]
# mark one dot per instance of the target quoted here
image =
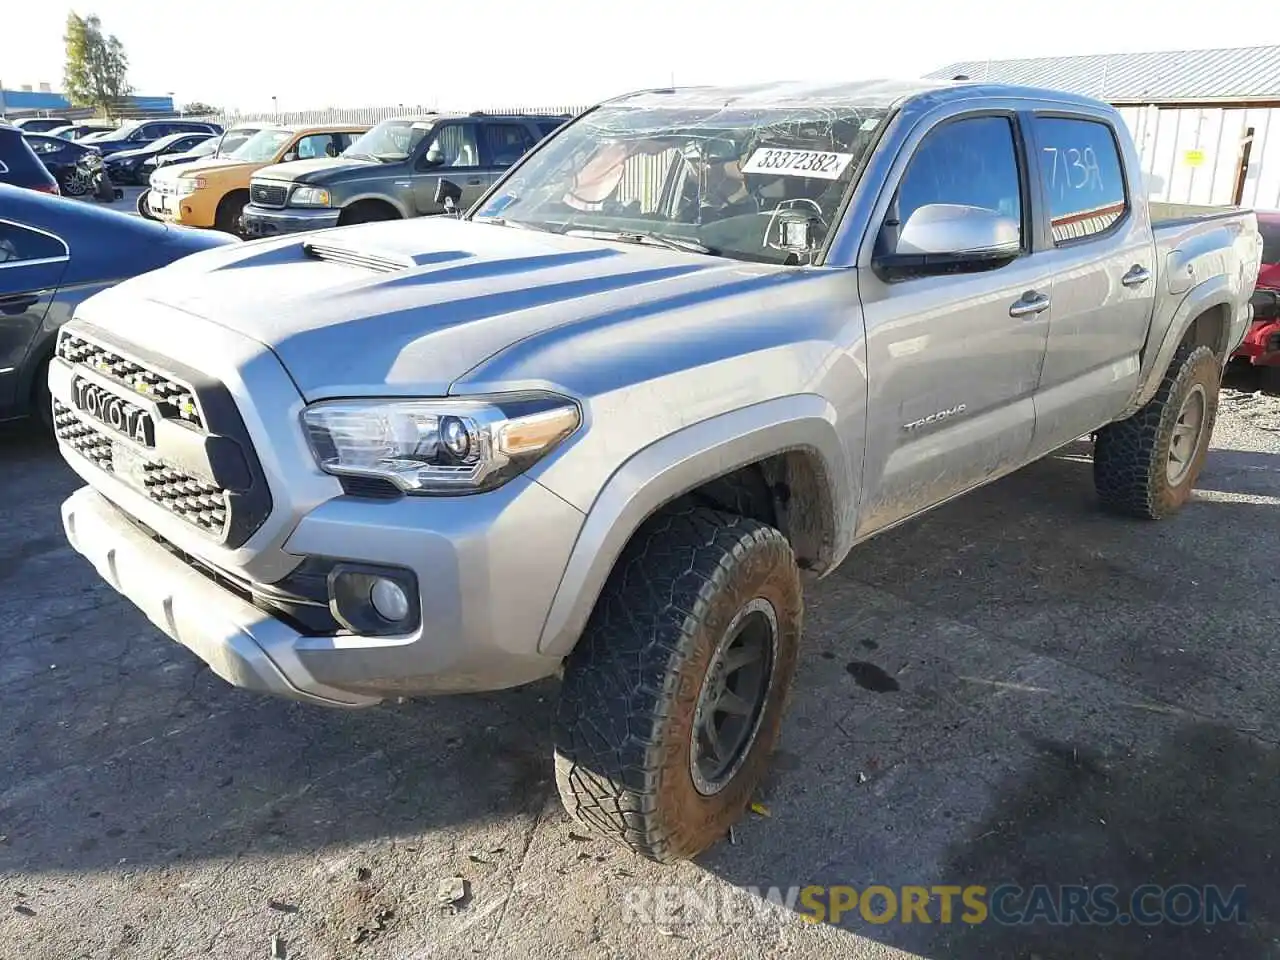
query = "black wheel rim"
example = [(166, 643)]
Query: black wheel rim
[(731, 702)]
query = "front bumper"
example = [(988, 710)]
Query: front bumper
[(487, 581), (267, 222), (1261, 345), (192, 210)]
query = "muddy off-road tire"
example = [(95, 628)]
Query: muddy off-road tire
[(1147, 465), (698, 627)]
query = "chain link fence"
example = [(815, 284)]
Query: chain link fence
[(369, 115)]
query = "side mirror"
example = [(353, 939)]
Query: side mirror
[(947, 238), (289, 156), (448, 194)]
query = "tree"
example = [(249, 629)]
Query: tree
[(96, 72), (199, 108)]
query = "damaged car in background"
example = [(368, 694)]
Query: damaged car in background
[(691, 350)]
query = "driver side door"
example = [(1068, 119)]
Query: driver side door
[(953, 359), (450, 152)]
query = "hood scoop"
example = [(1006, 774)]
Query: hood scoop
[(368, 259)]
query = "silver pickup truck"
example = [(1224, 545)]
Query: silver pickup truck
[(695, 343)]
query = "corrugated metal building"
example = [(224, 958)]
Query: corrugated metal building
[(1206, 122)]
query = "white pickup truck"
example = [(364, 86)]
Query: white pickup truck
[(692, 344)]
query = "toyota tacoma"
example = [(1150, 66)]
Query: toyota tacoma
[(693, 344)]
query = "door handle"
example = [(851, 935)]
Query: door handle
[(1029, 304), (1137, 276), (18, 302), (474, 182)]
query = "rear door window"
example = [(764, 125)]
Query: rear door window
[(20, 244), (1082, 177), (505, 143)]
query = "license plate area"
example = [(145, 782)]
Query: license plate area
[(128, 465)]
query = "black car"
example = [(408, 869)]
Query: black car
[(130, 166), (145, 132), (62, 158), (54, 254), (20, 166), (40, 124)]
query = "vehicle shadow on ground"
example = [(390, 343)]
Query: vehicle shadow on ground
[(1250, 379)]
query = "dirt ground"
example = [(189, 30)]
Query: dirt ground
[(1014, 688)]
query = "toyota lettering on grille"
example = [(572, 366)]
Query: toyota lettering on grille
[(114, 411)]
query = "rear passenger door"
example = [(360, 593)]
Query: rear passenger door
[(1104, 277), (952, 359), (31, 265)]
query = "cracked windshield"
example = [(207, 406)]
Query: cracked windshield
[(761, 183), (389, 140)]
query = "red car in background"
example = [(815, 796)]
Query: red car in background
[(1261, 345)]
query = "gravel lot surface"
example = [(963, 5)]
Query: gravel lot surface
[(1014, 688)]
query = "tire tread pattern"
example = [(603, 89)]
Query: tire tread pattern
[(1130, 455), (623, 678)]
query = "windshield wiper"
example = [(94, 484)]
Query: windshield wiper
[(647, 239), (360, 156)]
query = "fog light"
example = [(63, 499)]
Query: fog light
[(388, 598), (372, 600)]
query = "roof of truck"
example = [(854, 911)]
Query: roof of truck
[(864, 93)]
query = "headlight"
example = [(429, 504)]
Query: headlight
[(309, 197), (445, 446), (189, 185)]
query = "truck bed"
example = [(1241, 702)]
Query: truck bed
[(1164, 214)]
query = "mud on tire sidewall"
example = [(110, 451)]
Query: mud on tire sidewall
[(1147, 450), (696, 821), (681, 821)]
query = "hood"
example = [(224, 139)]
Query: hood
[(205, 163), (406, 308), (131, 154), (320, 169)]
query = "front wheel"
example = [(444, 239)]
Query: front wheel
[(672, 702), (227, 217), (1147, 465)]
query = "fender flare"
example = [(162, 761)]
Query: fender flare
[(388, 199), (678, 463), (1213, 292)]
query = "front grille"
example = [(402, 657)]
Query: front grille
[(175, 399), (185, 448), (268, 194), (196, 501)]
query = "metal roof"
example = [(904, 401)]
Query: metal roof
[(1233, 73)]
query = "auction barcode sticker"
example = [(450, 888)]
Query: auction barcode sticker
[(798, 163)]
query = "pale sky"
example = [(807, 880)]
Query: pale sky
[(496, 53)]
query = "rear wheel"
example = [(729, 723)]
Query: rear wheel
[(673, 699), (1147, 465), (227, 218), (74, 182)]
